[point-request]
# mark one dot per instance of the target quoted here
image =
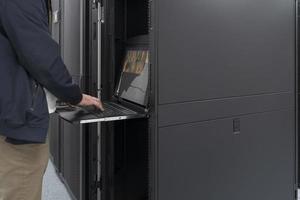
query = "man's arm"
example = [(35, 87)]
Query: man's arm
[(26, 26)]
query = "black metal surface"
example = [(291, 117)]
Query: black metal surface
[(130, 160), (70, 38), (297, 93), (222, 62), (55, 28), (54, 141), (54, 131), (72, 147), (201, 50), (171, 114), (212, 49), (71, 158), (210, 161), (136, 17), (124, 144)]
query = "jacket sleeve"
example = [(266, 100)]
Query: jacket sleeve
[(26, 25)]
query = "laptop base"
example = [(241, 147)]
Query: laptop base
[(83, 115)]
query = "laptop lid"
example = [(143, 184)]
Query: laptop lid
[(133, 84)]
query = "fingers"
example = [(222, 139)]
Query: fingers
[(101, 106), (90, 100), (97, 103)]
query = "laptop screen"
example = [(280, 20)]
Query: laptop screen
[(134, 79)]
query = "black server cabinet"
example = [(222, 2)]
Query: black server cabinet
[(54, 141), (54, 131), (222, 100), (71, 135), (123, 147), (223, 106), (72, 152), (225, 100), (298, 85)]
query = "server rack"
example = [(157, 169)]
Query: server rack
[(67, 141), (54, 130), (297, 91), (240, 110), (260, 115), (221, 125)]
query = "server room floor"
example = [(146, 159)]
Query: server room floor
[(53, 188)]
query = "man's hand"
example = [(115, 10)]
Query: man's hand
[(88, 100)]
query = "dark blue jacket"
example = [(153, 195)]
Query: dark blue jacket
[(29, 61)]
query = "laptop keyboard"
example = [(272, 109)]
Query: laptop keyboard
[(120, 108), (109, 111)]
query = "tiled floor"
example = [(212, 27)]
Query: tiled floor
[(53, 188)]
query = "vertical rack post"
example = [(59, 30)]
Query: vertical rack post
[(100, 21)]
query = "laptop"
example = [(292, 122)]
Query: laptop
[(131, 93)]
